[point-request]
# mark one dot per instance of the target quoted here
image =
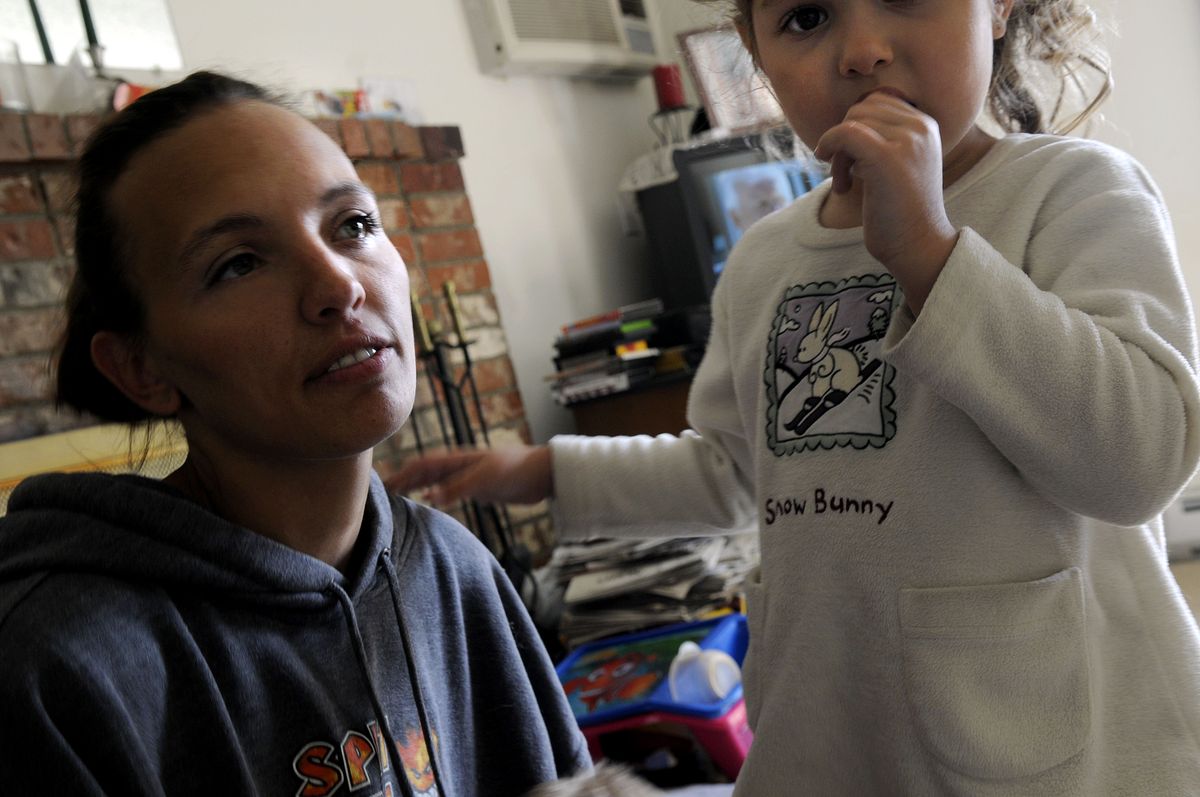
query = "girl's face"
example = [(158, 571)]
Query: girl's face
[(823, 57), (278, 322)]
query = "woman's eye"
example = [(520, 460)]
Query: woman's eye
[(237, 266), (805, 19), (358, 226)]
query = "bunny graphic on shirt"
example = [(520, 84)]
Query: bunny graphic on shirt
[(826, 384), (833, 371)]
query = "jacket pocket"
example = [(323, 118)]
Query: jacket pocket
[(997, 675), (755, 623)]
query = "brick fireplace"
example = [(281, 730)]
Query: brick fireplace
[(425, 211)]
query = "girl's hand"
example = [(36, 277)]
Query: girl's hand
[(515, 475), (890, 154)]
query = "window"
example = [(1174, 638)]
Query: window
[(135, 34)]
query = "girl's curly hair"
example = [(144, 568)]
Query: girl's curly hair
[(1048, 55)]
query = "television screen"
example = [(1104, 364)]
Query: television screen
[(734, 184), (742, 195), (693, 222)]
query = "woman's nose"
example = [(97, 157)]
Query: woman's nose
[(866, 45), (331, 289)]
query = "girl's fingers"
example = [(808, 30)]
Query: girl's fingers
[(860, 139), (520, 474), (833, 148), (882, 103), (840, 169), (876, 120), (453, 489), (851, 139), (426, 470)]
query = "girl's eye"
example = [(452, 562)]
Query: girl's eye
[(237, 266), (804, 19), (359, 226)]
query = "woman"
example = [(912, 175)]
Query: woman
[(265, 619)]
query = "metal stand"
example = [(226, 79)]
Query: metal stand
[(491, 524)]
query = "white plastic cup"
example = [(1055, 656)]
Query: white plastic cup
[(702, 676)]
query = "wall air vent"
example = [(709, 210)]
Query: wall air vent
[(569, 21), (576, 38)]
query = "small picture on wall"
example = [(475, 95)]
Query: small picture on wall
[(733, 93)]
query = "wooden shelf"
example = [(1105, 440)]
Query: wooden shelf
[(657, 407)]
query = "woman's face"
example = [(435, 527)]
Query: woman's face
[(277, 311)]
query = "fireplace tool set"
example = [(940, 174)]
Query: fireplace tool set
[(451, 392)]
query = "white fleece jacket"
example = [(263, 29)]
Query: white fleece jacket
[(963, 588)]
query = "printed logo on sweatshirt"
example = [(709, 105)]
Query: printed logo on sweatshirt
[(822, 502), (324, 768), (826, 385)]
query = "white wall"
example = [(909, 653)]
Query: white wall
[(1154, 110)]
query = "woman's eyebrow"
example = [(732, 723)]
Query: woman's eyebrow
[(234, 222), (348, 188), (239, 222)]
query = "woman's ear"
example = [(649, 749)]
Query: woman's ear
[(124, 363)]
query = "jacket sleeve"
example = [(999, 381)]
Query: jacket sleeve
[(699, 482), (569, 747), (59, 735), (1079, 364)]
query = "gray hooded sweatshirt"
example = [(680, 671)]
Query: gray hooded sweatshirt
[(148, 647)]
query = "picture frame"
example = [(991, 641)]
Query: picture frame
[(732, 90)]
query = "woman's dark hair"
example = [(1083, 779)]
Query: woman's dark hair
[(102, 295)]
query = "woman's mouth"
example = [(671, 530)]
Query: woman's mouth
[(362, 362), (353, 358)]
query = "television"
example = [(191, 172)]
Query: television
[(693, 221)]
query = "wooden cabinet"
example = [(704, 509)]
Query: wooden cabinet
[(658, 407)]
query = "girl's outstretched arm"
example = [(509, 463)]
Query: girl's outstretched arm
[(690, 484), (511, 475)]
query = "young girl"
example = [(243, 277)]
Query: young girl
[(265, 620), (955, 386)]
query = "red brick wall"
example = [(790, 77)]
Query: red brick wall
[(425, 211)]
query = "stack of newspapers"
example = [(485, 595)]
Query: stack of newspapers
[(619, 586)]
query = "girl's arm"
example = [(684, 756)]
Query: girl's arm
[(691, 484), (696, 483), (1079, 363)]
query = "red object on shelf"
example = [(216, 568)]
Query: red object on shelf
[(668, 85)]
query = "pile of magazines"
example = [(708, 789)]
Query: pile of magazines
[(615, 587)]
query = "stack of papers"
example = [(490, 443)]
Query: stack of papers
[(616, 587)]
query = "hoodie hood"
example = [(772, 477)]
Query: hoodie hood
[(142, 530)]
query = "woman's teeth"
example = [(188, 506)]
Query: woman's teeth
[(351, 359)]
